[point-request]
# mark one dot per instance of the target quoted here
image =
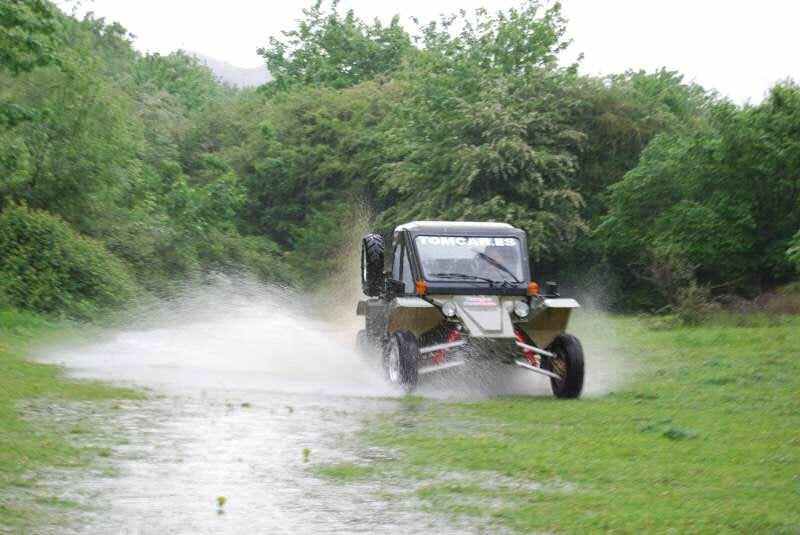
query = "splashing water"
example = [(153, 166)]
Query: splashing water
[(236, 334), (239, 334)]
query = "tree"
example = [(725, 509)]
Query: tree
[(315, 146), (180, 75), (509, 157), (335, 50), (28, 35), (482, 132), (724, 195), (28, 39)]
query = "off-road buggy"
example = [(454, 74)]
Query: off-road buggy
[(459, 292)]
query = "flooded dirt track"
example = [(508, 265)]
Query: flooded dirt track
[(242, 384), (185, 452), (249, 395)]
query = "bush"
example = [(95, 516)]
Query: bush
[(784, 300), (46, 266), (694, 304)]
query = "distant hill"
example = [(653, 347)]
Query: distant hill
[(238, 76)]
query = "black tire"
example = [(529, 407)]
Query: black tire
[(568, 363), (372, 265), (403, 371)]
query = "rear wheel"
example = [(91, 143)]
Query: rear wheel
[(402, 360), (568, 364)]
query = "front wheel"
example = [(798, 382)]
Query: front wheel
[(401, 360), (567, 364)]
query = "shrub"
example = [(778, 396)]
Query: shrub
[(46, 266), (784, 300), (694, 304)]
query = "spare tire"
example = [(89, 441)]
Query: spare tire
[(372, 265)]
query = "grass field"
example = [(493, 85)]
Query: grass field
[(704, 437), (27, 449)]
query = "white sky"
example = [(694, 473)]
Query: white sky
[(739, 47)]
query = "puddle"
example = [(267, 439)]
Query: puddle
[(184, 452), (242, 385)]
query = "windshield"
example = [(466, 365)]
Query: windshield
[(484, 259)]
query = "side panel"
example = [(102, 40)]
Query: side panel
[(543, 327), (412, 314), (374, 312)]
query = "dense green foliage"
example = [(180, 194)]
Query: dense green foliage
[(720, 202), (334, 50), (640, 180), (49, 267), (101, 137), (480, 121), (27, 34)]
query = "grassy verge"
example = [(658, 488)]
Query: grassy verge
[(26, 448), (705, 437)]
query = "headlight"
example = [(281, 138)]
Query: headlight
[(449, 309), (521, 309)]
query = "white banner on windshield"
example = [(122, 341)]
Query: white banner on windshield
[(467, 242)]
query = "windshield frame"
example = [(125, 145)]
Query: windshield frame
[(504, 281)]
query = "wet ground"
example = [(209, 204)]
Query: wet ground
[(248, 396), (184, 452)]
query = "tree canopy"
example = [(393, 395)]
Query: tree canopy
[(333, 49), (640, 178)]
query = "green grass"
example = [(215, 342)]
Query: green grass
[(26, 449), (345, 471), (703, 438)]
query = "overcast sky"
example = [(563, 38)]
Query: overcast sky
[(738, 47)]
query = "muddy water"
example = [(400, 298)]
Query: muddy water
[(244, 382)]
